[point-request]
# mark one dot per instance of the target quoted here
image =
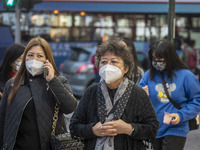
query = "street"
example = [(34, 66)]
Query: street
[(193, 140)]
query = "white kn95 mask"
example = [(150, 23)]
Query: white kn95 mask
[(110, 73), (34, 67)]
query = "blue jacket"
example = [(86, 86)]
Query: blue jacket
[(184, 89)]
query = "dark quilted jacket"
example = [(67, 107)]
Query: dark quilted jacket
[(2, 85), (44, 98), (139, 112)]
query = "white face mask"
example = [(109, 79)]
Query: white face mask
[(34, 67), (110, 73), (18, 64)]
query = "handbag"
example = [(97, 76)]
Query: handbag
[(194, 122), (63, 141)]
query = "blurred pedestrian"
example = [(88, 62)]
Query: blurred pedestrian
[(189, 53), (183, 88), (114, 114), (10, 64), (96, 70), (137, 71), (27, 105), (197, 68)]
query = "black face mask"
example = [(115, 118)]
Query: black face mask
[(159, 65)]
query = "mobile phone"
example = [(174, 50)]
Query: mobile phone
[(45, 71)]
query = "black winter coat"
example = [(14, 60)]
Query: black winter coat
[(139, 112), (43, 94), (2, 85)]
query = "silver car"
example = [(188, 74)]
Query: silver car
[(79, 70)]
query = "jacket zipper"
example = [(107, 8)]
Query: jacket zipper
[(20, 122)]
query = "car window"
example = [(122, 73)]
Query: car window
[(140, 57), (143, 59), (79, 55)]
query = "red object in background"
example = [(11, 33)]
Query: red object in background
[(93, 62), (85, 68)]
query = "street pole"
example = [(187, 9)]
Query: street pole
[(171, 21), (17, 25)]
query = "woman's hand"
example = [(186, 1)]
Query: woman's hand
[(50, 69), (112, 128), (176, 118), (0, 94), (100, 130), (146, 89), (120, 126)]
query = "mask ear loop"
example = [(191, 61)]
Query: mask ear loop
[(123, 68), (121, 71)]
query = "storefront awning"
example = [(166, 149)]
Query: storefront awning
[(113, 7)]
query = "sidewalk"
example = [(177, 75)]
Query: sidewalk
[(193, 140)]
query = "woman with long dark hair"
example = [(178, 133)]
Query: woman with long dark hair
[(168, 77), (10, 63), (27, 105)]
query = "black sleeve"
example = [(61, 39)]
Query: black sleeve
[(3, 105), (62, 91), (148, 123), (78, 123)]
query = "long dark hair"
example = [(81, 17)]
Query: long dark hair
[(22, 71), (135, 61), (13, 52), (165, 49)]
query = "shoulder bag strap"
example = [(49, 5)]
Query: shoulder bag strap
[(167, 93), (55, 119)]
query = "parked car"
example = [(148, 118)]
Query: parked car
[(79, 70)]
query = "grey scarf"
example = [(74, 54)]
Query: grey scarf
[(111, 111)]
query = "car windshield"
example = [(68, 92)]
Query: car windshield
[(79, 55)]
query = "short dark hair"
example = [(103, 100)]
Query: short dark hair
[(115, 46), (13, 52), (165, 49)]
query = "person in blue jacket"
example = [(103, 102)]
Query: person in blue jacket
[(184, 89)]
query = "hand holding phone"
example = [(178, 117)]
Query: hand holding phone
[(48, 71), (45, 72)]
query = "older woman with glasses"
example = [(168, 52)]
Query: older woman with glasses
[(114, 114)]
